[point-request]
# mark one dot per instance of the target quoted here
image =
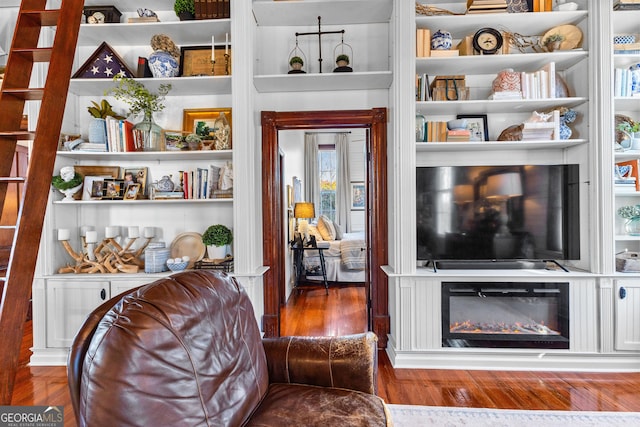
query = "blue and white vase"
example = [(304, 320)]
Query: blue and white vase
[(98, 131), (441, 40), (162, 64)]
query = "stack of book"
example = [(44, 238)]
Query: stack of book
[(542, 5), (458, 135), (626, 5), (542, 131), (486, 6), (422, 88), (423, 42), (625, 185), (626, 82), (212, 9), (436, 131), (540, 84)]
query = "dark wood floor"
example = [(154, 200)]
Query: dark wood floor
[(342, 312)]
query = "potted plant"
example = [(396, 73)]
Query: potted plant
[(216, 238), (97, 127), (296, 64), (632, 132), (553, 42), (185, 9), (68, 182), (142, 101), (342, 62)]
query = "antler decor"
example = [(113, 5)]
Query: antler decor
[(108, 256), (422, 9)]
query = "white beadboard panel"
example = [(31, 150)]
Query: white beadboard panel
[(428, 314), (406, 315), (583, 323), (607, 320), (627, 329)]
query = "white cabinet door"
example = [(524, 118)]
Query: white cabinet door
[(627, 314), (68, 304)]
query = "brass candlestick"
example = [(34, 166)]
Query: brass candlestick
[(213, 67)]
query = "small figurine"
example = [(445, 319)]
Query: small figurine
[(146, 13), (296, 64)]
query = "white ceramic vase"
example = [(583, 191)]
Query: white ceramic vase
[(217, 252)]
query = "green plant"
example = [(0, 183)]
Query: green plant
[(138, 96), (217, 235), (103, 110), (629, 212), (296, 60), (629, 127), (343, 57), (59, 183), (554, 38), (184, 6)]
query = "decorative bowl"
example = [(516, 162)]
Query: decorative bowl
[(177, 266)]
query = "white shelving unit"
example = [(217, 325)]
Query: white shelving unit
[(61, 301)]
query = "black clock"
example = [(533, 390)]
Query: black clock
[(487, 41)]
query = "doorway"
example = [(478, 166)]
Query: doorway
[(376, 228)]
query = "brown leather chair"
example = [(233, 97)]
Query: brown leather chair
[(186, 351)]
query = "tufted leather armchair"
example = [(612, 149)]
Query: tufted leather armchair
[(186, 351)]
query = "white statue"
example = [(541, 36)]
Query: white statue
[(225, 182), (67, 173)]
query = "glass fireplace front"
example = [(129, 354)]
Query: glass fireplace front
[(505, 315)]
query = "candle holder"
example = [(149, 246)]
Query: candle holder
[(107, 256), (213, 67), (226, 64)]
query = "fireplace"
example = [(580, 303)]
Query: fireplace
[(505, 315)]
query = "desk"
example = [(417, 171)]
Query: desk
[(298, 264)]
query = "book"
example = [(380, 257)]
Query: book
[(143, 67)]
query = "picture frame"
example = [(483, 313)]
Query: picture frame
[(131, 192), (135, 175), (112, 189), (358, 196), (196, 61), (96, 171), (192, 117), (477, 124), (92, 187), (174, 140)]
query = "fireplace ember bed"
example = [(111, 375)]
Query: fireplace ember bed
[(505, 315)]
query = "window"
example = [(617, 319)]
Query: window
[(328, 175)]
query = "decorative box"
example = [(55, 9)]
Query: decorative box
[(111, 14), (628, 262), (226, 265)]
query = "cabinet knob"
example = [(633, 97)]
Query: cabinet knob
[(622, 293), (103, 294)]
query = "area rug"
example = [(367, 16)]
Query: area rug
[(423, 416)]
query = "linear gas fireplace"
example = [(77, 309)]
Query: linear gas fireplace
[(505, 315)]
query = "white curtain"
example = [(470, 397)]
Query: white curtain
[(343, 190), (311, 172)]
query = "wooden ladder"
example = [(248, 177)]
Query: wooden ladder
[(33, 16)]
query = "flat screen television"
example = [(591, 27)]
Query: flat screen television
[(524, 212)]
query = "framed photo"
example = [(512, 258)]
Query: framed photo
[(131, 192), (202, 122), (174, 140), (94, 171), (477, 124), (358, 196), (135, 175), (112, 188), (92, 187), (196, 61)]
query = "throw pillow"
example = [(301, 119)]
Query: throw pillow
[(339, 233), (325, 226)]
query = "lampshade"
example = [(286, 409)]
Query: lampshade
[(463, 193), (304, 210), (503, 186)]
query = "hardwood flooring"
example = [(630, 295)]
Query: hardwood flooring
[(342, 312)]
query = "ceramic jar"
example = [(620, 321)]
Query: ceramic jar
[(507, 80), (165, 184), (163, 64), (441, 40), (98, 131)]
